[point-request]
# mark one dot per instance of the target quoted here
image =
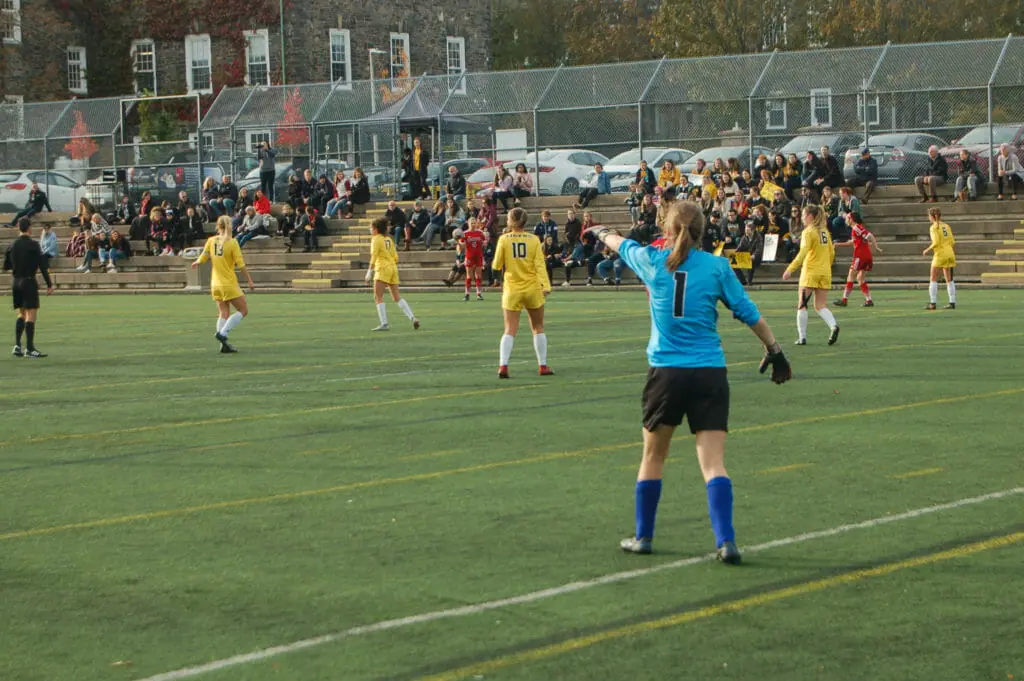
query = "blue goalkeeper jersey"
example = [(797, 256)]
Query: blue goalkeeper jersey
[(684, 305)]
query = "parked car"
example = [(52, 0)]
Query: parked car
[(837, 143), (62, 191), (900, 156), (977, 143), (741, 154), (622, 169)]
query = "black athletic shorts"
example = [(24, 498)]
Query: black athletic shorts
[(26, 294), (701, 395)]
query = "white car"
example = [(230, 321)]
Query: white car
[(63, 192), (561, 170), (622, 169)]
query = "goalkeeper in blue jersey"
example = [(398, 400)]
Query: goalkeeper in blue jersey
[(687, 376)]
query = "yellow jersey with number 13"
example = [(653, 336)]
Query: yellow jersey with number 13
[(522, 257), (225, 257)]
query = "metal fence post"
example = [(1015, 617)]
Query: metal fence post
[(640, 107), (231, 130), (750, 106), (536, 132), (991, 127), (867, 84)]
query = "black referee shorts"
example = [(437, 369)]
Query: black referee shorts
[(701, 395), (26, 294)]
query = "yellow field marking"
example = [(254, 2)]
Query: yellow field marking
[(482, 669), (431, 455), (419, 477), (325, 450), (783, 469), (918, 474)]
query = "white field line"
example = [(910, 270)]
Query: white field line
[(572, 587)]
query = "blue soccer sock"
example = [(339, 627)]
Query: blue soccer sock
[(648, 492), (720, 509)]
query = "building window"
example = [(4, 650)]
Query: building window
[(144, 66), (254, 139), (257, 57), (198, 72), (873, 109), (12, 117), (399, 66), (207, 147), (341, 57), (776, 114), (11, 18), (821, 107), (456, 50), (77, 82)]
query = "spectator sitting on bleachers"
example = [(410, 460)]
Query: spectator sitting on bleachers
[(159, 233), (612, 264), (762, 163), (730, 190), (360, 191), (342, 192), (307, 186), (792, 176), (602, 185), (935, 175), (458, 267), (84, 214), (742, 206), (436, 224), (1008, 167), (780, 205), (865, 174), (553, 256), (251, 227), (48, 242), (244, 201), (733, 220), (848, 203), (488, 217), (212, 199), (124, 213), (146, 204), (833, 176), (416, 223), (37, 200), (396, 220), (645, 178), (502, 189), (76, 244), (228, 195), (311, 226), (191, 226), (455, 187), (575, 257), (759, 216), (731, 233), (295, 194), (669, 178), (323, 193), (454, 218), (286, 223), (744, 181), (264, 209), (777, 224), (98, 225), (713, 233), (573, 228), (184, 203), (814, 174), (547, 227), (829, 203), (647, 212), (751, 242), (117, 248), (92, 252), (522, 183), (966, 177)]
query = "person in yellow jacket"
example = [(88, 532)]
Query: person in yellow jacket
[(226, 255), (383, 273), (817, 253), (943, 260)]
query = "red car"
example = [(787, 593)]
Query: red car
[(977, 143)]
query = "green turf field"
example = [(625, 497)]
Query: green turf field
[(163, 507)]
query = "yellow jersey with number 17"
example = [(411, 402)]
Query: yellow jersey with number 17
[(384, 259), (225, 257), (522, 256), (817, 253)]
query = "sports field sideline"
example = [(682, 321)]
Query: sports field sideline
[(331, 504)]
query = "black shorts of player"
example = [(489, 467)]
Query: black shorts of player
[(26, 294), (701, 395)]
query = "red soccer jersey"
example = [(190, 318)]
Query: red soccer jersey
[(861, 243), (474, 241)]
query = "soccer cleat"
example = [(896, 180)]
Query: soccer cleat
[(479, 296), (221, 338), (544, 370), (17, 351), (634, 545), (729, 554), (608, 281), (416, 324), (227, 349), (930, 306), (801, 341), (869, 303), (566, 284), (35, 354), (465, 298), (503, 371), (382, 327), (834, 336), (842, 302), (951, 306)]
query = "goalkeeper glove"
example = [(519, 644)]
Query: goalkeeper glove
[(781, 370)]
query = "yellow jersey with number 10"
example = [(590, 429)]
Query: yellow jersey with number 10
[(522, 257)]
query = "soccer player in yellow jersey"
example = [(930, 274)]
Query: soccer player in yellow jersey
[(521, 255), (384, 274), (817, 253), (943, 259), (225, 254)]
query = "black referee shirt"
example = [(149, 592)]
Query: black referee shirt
[(25, 257)]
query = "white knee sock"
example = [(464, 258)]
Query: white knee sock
[(951, 291), (801, 323), (933, 292), (382, 314), (231, 322), (404, 307), (827, 316), (220, 324), (540, 345), (506, 349)]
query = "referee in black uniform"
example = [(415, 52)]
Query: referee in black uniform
[(24, 257)]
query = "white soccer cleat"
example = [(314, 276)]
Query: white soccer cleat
[(382, 327)]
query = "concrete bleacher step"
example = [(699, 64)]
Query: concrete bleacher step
[(316, 283), (1003, 278)]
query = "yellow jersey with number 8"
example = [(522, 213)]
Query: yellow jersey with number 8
[(225, 257), (942, 245), (384, 259)]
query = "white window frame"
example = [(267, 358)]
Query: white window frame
[(875, 115), (456, 72), (79, 63), (17, 103), (345, 34), (259, 37), (773, 106), (150, 46), (254, 138), (12, 18), (191, 41), (404, 39), (817, 93), (208, 144)]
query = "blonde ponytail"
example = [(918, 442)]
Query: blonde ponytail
[(685, 221)]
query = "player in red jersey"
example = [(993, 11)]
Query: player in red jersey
[(862, 241), (474, 240)]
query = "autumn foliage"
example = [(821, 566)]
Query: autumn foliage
[(81, 147), (293, 129)]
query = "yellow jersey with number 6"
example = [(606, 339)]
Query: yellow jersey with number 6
[(942, 245), (817, 253), (384, 259), (225, 257)]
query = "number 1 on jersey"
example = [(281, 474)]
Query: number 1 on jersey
[(518, 249), (679, 298)]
